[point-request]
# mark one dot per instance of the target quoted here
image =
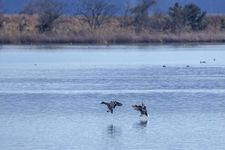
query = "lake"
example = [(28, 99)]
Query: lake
[(50, 97)]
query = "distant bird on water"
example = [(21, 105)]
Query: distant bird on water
[(112, 105), (141, 108)]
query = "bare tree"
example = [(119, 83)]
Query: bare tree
[(126, 18), (222, 24), (1, 14), (141, 13), (194, 17), (189, 15), (96, 12), (177, 17), (47, 10)]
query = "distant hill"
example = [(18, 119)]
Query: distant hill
[(211, 6)]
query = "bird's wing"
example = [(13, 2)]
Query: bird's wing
[(137, 107), (118, 103), (104, 103), (109, 106)]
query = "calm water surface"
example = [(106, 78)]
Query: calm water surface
[(50, 97)]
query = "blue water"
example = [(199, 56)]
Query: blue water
[(50, 97)]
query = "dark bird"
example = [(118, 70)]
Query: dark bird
[(164, 66), (141, 108), (202, 62), (112, 105)]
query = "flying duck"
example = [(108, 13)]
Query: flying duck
[(141, 108), (112, 105)]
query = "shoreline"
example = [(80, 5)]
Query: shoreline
[(109, 46), (114, 44), (116, 39)]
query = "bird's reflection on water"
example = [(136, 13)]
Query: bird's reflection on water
[(141, 124), (113, 130)]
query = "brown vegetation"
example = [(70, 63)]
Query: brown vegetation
[(42, 21), (67, 29)]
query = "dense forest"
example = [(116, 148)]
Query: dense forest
[(101, 21)]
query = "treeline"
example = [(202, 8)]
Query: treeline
[(98, 12), (100, 21)]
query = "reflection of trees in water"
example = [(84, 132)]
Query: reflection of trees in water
[(113, 130)]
